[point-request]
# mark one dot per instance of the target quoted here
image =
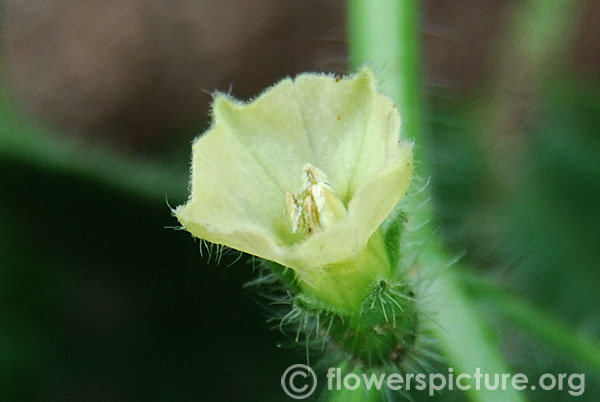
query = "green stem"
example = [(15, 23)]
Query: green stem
[(384, 33)]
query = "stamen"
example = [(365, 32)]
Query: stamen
[(293, 211), (315, 207)]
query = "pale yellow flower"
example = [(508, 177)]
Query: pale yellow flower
[(303, 175)]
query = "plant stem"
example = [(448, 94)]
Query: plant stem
[(384, 33)]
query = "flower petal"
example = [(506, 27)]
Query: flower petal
[(244, 166), (234, 200), (271, 129), (336, 114)]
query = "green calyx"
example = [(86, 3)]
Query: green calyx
[(384, 329), (344, 285), (379, 333)]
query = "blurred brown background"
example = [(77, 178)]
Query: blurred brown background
[(138, 72)]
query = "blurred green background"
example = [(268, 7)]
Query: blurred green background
[(102, 300)]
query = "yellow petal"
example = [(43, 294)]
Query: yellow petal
[(336, 115), (247, 164), (234, 200), (271, 130)]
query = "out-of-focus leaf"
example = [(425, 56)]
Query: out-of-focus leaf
[(25, 141)]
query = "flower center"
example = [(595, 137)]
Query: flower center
[(316, 207)]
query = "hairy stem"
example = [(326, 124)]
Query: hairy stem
[(384, 33)]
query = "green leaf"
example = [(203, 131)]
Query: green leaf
[(538, 323)]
